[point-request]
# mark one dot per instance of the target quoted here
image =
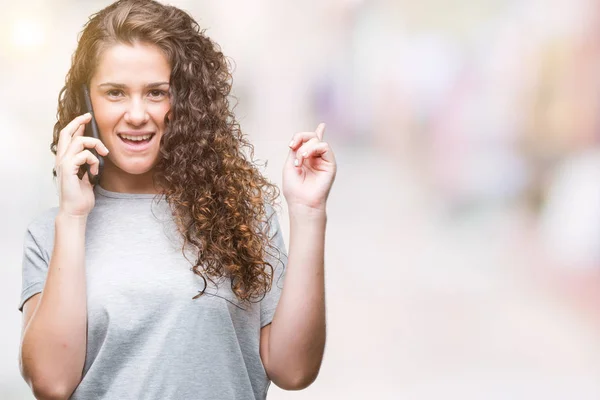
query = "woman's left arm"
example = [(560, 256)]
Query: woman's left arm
[(292, 346)]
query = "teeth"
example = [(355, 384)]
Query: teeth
[(136, 138)]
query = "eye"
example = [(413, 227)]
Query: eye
[(114, 93), (156, 93)]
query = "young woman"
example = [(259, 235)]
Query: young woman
[(164, 280)]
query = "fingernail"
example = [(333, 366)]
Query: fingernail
[(291, 143), (305, 154), (296, 162)]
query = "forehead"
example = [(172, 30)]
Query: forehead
[(132, 64)]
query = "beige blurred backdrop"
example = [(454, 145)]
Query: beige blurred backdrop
[(463, 242)]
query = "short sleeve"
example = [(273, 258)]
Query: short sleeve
[(35, 267), (277, 257)]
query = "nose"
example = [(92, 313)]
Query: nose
[(136, 113)]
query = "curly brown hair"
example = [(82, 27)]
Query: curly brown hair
[(216, 192)]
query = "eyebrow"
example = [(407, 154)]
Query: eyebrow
[(123, 86)]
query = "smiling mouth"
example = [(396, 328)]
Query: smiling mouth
[(137, 142)]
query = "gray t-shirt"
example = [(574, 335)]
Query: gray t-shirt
[(147, 338)]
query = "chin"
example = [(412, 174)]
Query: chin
[(137, 168)]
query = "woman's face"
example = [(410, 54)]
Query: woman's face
[(130, 96)]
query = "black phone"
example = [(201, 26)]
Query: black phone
[(91, 129)]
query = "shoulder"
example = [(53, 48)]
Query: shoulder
[(271, 218), (42, 225)]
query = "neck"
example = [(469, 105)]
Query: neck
[(115, 179)]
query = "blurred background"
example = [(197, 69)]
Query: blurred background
[(463, 243)]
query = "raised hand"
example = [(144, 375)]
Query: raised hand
[(309, 171)]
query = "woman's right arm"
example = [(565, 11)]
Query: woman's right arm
[(54, 338), (53, 345)]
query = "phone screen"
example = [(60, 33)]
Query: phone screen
[(91, 129)]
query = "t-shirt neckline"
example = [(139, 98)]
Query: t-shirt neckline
[(120, 195)]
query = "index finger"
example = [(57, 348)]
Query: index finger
[(65, 135), (320, 130), (76, 122)]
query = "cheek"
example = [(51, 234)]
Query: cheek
[(107, 116), (159, 112)]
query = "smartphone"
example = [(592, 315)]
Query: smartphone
[(91, 130)]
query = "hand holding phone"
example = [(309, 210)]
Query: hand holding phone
[(73, 151), (91, 129)]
